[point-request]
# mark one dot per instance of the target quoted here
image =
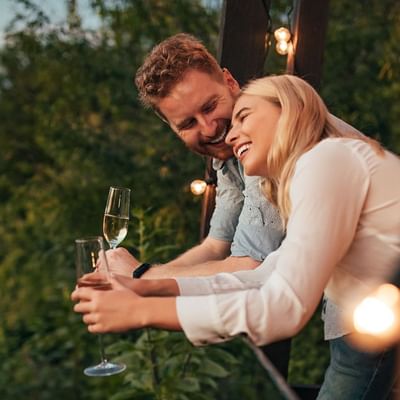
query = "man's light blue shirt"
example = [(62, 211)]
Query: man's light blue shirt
[(242, 215)]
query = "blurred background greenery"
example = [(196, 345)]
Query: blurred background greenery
[(71, 126)]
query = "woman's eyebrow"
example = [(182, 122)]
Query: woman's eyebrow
[(237, 115)]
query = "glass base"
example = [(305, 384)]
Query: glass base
[(105, 368)]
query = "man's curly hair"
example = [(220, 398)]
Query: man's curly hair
[(167, 63)]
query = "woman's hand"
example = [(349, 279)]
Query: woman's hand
[(114, 310), (120, 308)]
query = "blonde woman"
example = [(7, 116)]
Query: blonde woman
[(339, 198)]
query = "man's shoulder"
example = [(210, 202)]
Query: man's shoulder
[(228, 174), (225, 165)]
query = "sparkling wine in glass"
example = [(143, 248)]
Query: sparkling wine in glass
[(116, 216), (91, 259)]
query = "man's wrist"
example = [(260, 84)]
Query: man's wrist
[(140, 270)]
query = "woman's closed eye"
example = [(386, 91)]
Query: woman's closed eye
[(241, 115)]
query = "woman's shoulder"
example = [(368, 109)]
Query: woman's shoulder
[(347, 153), (342, 144), (339, 149)]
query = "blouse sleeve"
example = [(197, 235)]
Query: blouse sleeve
[(274, 301)]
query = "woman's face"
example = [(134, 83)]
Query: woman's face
[(254, 123)]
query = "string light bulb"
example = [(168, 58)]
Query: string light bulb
[(282, 47), (282, 34), (283, 43), (198, 187)]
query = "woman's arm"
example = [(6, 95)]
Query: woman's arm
[(328, 191), (121, 309)]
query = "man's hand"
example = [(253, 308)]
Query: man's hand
[(121, 262)]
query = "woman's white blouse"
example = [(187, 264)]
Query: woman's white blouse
[(343, 236)]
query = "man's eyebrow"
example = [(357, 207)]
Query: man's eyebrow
[(211, 99)]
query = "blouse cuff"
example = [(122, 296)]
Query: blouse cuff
[(200, 320)]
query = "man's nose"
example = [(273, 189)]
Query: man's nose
[(207, 126)]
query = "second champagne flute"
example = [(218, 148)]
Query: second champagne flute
[(91, 259), (116, 216)]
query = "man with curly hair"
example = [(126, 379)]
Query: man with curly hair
[(185, 86)]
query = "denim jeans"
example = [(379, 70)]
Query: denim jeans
[(356, 375)]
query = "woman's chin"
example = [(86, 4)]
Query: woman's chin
[(253, 170)]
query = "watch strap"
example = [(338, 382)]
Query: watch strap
[(140, 270)]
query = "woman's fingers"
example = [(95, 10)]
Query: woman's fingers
[(82, 294), (83, 307), (90, 318), (96, 328)]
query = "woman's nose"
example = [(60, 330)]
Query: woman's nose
[(231, 137)]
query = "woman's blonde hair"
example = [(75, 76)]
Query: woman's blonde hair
[(304, 121)]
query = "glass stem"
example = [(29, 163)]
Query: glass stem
[(101, 348)]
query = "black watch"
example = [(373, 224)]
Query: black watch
[(140, 270)]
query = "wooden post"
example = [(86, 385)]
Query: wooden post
[(208, 203), (241, 50), (309, 26), (244, 25)]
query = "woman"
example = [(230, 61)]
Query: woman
[(339, 199)]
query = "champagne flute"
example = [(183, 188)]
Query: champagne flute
[(91, 258), (116, 216)]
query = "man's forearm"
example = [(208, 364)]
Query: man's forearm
[(209, 250), (229, 264)]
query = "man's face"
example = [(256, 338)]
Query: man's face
[(199, 110)]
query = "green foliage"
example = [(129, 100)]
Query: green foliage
[(309, 355), (164, 365), (71, 126), (362, 67)]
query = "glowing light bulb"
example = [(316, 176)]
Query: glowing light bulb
[(388, 293), (375, 320), (376, 314), (282, 34), (373, 316), (198, 187), (282, 47)]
